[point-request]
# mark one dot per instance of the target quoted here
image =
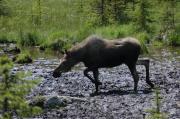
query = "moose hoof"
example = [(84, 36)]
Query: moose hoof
[(152, 86), (135, 91)]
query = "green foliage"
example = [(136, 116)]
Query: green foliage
[(59, 44), (142, 16), (158, 43), (23, 58), (36, 22), (38, 101), (4, 39), (168, 15), (28, 38), (173, 38), (155, 113), (13, 89), (82, 33), (115, 31), (144, 38), (57, 41), (4, 9), (7, 37), (106, 12)]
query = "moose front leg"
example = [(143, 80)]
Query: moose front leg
[(145, 62), (95, 74), (88, 76), (132, 68)]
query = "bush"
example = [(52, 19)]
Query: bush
[(13, 89), (23, 58)]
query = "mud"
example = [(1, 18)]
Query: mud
[(117, 99)]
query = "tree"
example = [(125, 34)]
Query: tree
[(168, 16), (98, 7), (142, 16), (13, 89), (109, 11)]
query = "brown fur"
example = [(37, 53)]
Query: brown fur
[(96, 53)]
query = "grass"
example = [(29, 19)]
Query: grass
[(55, 25), (23, 58), (115, 31), (7, 38), (174, 39), (29, 38), (56, 45)]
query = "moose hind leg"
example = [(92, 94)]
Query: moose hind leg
[(95, 74), (147, 74), (134, 73), (145, 62), (97, 82)]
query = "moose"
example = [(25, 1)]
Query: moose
[(96, 52)]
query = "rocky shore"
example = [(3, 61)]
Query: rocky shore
[(116, 99), (73, 92)]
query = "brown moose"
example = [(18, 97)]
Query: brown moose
[(97, 53)]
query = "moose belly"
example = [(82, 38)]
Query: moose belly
[(109, 62), (104, 62)]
